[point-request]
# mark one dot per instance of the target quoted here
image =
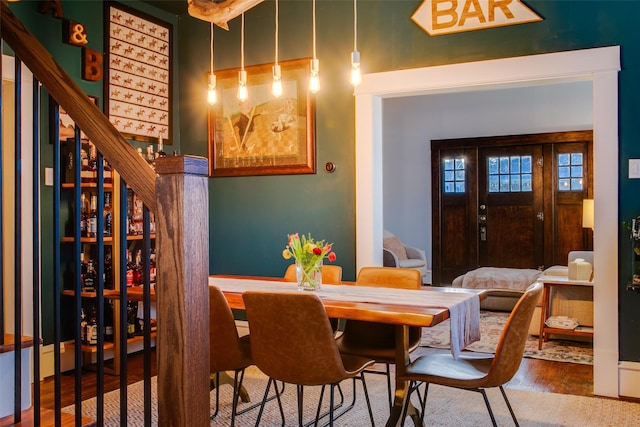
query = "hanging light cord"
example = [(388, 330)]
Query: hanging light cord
[(242, 45), (276, 32), (355, 26), (314, 29), (211, 48)]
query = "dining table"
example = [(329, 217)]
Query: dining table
[(401, 307)]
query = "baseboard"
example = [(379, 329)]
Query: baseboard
[(629, 379)]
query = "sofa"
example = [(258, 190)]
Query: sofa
[(505, 286)]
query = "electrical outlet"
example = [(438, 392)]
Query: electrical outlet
[(48, 177), (634, 168)]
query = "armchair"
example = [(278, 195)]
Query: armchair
[(397, 254)]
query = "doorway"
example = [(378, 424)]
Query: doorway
[(600, 66)]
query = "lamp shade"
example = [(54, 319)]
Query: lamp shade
[(587, 214)]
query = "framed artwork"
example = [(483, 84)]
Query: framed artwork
[(138, 78), (263, 135)]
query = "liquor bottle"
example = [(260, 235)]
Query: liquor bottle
[(83, 268), (152, 268), (137, 218), (151, 158), (83, 326), (84, 215), (90, 278), (108, 269), (108, 321), (108, 172), (92, 327), (86, 173), (92, 224), (108, 215), (129, 270), (132, 312), (93, 162), (160, 152), (137, 269)]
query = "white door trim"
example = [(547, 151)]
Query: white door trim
[(599, 65)]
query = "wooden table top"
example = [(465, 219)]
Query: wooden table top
[(393, 312)]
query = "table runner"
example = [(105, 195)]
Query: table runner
[(464, 308)]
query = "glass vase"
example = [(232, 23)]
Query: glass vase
[(309, 276)]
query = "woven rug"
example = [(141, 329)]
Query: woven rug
[(491, 325), (445, 407)]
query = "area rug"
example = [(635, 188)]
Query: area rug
[(445, 407), (491, 325)]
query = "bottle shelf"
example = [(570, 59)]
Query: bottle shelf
[(139, 236), (108, 345), (109, 293), (106, 186), (106, 240)]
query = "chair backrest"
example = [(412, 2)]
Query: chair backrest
[(291, 338), (510, 348), (390, 277), (384, 333), (226, 352), (331, 274)]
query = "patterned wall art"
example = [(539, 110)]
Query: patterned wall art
[(138, 74)]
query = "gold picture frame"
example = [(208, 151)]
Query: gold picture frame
[(264, 135)]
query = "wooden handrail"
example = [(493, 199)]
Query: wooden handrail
[(118, 152)]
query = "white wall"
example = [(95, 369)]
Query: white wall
[(410, 123)]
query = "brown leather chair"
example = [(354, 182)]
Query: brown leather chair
[(331, 274), (377, 340), (227, 350), (302, 350), (475, 371)]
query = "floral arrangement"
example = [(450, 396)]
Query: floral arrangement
[(307, 251), (308, 254)]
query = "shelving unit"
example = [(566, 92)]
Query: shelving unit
[(112, 244)]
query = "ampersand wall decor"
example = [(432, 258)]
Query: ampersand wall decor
[(74, 33)]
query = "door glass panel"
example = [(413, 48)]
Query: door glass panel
[(509, 174), (454, 175), (570, 172)]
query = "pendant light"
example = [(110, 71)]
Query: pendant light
[(356, 77), (211, 86), (243, 93), (314, 80), (277, 72)]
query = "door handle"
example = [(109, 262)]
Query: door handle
[(483, 233)]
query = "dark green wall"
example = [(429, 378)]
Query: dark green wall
[(251, 216)]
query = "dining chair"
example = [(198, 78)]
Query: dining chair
[(476, 371), (302, 350), (227, 350), (377, 340)]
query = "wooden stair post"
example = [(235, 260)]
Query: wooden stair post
[(182, 233)]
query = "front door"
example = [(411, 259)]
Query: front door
[(509, 201), (510, 211)]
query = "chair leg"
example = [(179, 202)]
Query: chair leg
[(389, 387), (265, 399), (215, 383), (509, 406), (366, 396), (237, 385), (300, 392), (486, 401)]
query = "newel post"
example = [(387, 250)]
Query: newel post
[(182, 233)]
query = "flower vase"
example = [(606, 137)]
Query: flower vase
[(309, 276)]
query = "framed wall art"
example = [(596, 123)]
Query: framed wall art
[(263, 135), (138, 77)]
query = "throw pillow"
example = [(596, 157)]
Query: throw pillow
[(395, 245)]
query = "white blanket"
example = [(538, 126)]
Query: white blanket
[(517, 279)]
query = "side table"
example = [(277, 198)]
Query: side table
[(554, 281)]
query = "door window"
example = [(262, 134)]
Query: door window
[(509, 174)]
